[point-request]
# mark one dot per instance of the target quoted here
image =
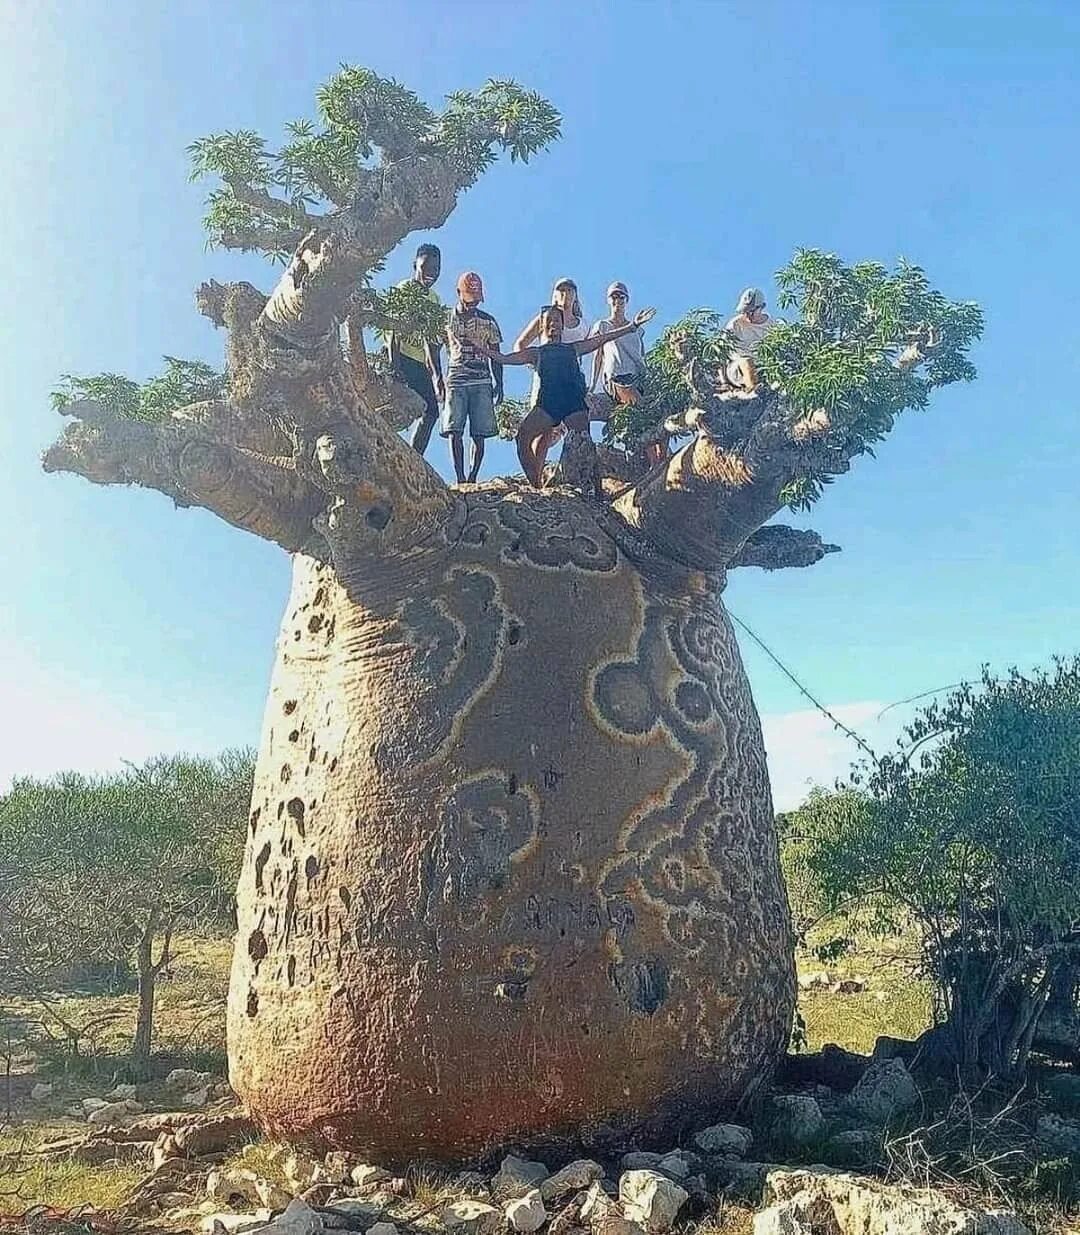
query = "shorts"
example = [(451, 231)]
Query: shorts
[(633, 380), (417, 377), (472, 405)]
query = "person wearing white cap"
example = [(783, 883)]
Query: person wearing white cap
[(620, 362), (748, 326)]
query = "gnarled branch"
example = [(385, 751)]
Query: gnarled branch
[(181, 459), (777, 547)]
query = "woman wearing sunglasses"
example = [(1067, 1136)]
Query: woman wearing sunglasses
[(564, 295), (560, 396)]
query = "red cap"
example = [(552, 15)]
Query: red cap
[(471, 286)]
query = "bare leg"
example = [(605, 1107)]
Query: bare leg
[(536, 425), (475, 459), (544, 444), (457, 453), (422, 433)]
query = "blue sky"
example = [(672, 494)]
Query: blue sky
[(702, 143)]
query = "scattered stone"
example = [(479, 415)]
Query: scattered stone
[(234, 1224), (90, 1105), (808, 1202), (472, 1218), (640, 1160), (195, 1099), (527, 1213), (184, 1080), (595, 1206), (298, 1219), (615, 1224), (337, 1167), (675, 1165), (516, 1177), (1058, 1136), (75, 1112), (119, 1092), (651, 1199), (472, 1183), (572, 1178), (854, 1147), (796, 1119), (41, 1091), (172, 1200), (1062, 1088), (884, 1091), (739, 1179), (382, 1228), (817, 980), (731, 1140), (208, 1134), (300, 1171), (319, 1195), (364, 1212), (113, 1113), (366, 1176)]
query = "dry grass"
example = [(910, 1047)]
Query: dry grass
[(26, 1180), (894, 1002)]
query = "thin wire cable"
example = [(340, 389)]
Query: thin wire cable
[(860, 742), (912, 698)]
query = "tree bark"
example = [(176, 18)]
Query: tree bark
[(511, 806)]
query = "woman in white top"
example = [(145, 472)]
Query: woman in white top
[(564, 295), (749, 326)]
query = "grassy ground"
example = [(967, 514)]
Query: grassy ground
[(189, 1032)]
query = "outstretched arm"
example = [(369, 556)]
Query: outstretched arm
[(525, 355), (595, 342)]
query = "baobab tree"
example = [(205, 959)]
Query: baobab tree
[(511, 868)]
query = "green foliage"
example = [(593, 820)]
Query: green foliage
[(89, 864), (867, 345), (407, 310), (182, 382), (973, 829), (362, 118), (509, 415), (698, 337), (846, 351), (501, 115)]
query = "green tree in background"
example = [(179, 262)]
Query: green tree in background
[(98, 870), (973, 830)]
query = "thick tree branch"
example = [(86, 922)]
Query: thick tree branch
[(273, 207), (776, 547), (331, 261), (702, 505), (180, 459)]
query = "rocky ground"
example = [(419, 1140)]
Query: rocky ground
[(846, 1144)]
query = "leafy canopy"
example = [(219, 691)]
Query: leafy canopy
[(182, 382), (866, 344), (363, 120)]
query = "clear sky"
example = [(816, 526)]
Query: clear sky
[(702, 143)]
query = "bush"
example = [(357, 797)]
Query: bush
[(973, 830)]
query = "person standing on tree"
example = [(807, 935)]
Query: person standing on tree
[(474, 384), (621, 358), (416, 361), (564, 295), (560, 398), (748, 326)]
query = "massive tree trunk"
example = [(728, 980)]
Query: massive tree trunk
[(511, 870), (512, 867)]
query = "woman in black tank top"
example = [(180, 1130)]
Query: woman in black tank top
[(561, 397)]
